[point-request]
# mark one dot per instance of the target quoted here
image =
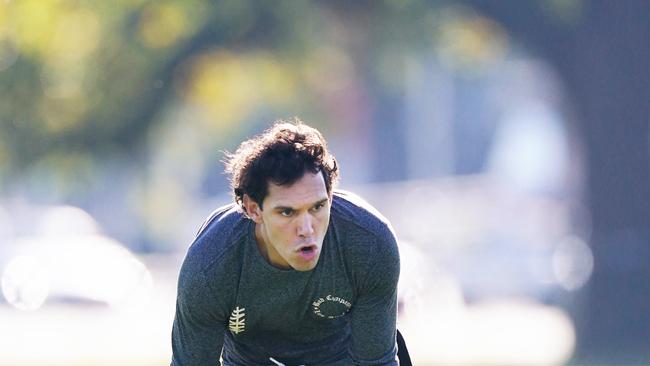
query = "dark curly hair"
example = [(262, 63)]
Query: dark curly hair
[(281, 155)]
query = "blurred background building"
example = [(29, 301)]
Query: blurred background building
[(507, 141)]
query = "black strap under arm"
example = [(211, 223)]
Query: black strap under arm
[(402, 351)]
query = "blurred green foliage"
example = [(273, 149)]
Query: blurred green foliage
[(86, 82), (83, 81)]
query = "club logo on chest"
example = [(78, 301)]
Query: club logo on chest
[(330, 306)]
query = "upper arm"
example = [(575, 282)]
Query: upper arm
[(199, 325), (374, 316)]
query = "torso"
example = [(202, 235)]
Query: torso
[(285, 312)]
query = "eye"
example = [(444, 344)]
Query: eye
[(287, 212), (318, 206)]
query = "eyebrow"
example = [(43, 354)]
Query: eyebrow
[(282, 208)]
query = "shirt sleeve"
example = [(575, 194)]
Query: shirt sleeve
[(199, 325), (374, 315)]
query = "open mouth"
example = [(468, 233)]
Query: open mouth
[(308, 250)]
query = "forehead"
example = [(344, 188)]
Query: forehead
[(310, 188)]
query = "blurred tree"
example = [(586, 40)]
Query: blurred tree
[(90, 78)]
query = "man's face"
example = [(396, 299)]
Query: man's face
[(291, 228)]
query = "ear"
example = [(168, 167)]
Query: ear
[(253, 209)]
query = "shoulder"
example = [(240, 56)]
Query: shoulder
[(362, 227), (358, 215), (368, 241), (216, 240), (210, 267)]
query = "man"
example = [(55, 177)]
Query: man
[(292, 273)]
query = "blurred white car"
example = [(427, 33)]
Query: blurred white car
[(64, 257)]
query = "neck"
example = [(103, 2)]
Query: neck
[(261, 243)]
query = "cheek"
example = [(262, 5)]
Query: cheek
[(281, 230), (323, 222)]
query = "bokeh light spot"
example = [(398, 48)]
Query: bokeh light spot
[(162, 25), (469, 43), (222, 84), (25, 283), (75, 35), (573, 263)]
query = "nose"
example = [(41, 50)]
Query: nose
[(305, 228)]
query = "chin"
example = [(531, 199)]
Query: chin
[(304, 267)]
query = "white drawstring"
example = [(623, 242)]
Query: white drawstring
[(278, 362)]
